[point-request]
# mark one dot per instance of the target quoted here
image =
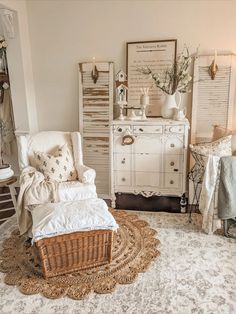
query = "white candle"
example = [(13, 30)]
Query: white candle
[(93, 65), (215, 55)]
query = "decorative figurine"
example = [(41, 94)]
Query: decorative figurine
[(121, 92)]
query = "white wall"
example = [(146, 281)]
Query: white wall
[(64, 33)]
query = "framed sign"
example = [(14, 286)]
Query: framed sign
[(157, 55)]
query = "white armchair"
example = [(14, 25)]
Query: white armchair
[(47, 142)]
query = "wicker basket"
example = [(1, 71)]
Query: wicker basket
[(75, 251)]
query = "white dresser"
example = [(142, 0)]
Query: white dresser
[(155, 163)]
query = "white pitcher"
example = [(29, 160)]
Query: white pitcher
[(179, 114), (167, 108)]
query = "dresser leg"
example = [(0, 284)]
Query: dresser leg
[(113, 201), (183, 203)]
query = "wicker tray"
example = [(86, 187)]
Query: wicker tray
[(75, 251)]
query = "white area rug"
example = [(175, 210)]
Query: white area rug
[(196, 273)]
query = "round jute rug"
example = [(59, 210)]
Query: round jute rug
[(134, 247)]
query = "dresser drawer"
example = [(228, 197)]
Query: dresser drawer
[(139, 129), (173, 181), (147, 179), (174, 145), (122, 178), (122, 162), (119, 129), (178, 129), (173, 163), (147, 162), (119, 148)]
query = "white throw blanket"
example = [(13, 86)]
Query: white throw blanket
[(34, 189), (207, 204), (55, 219)]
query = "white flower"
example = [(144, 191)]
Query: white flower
[(4, 44)]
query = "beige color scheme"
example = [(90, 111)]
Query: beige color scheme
[(58, 167), (219, 132), (65, 33), (195, 273)]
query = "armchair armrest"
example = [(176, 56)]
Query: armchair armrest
[(86, 174)]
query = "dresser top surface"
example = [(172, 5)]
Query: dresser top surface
[(150, 121)]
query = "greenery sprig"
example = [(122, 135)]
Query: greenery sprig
[(175, 78)]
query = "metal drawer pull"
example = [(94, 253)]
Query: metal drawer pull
[(123, 161), (140, 129), (123, 179), (176, 170), (119, 129), (171, 182), (172, 163), (172, 145)]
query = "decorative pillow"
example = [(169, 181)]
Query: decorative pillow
[(219, 132), (58, 167), (221, 147)]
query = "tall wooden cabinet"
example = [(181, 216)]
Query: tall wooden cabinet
[(95, 114), (155, 163)]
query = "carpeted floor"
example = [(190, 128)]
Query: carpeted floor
[(195, 273)]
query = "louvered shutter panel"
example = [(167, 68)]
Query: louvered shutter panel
[(213, 100), (95, 114)]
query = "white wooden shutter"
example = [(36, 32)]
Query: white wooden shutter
[(213, 100), (95, 114)]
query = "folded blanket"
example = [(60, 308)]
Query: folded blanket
[(55, 219), (34, 189), (227, 188)]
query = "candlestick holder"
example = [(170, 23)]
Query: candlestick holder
[(121, 116)]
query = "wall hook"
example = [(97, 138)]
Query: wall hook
[(213, 68)]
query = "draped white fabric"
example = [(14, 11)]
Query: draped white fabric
[(208, 199)]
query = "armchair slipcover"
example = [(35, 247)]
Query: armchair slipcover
[(48, 142)]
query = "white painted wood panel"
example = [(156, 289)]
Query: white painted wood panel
[(155, 164), (95, 114), (213, 100)]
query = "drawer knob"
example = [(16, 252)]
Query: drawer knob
[(123, 179), (172, 163), (123, 161), (140, 129), (119, 129), (171, 182), (172, 145), (176, 170)]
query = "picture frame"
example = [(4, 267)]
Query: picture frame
[(157, 55)]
